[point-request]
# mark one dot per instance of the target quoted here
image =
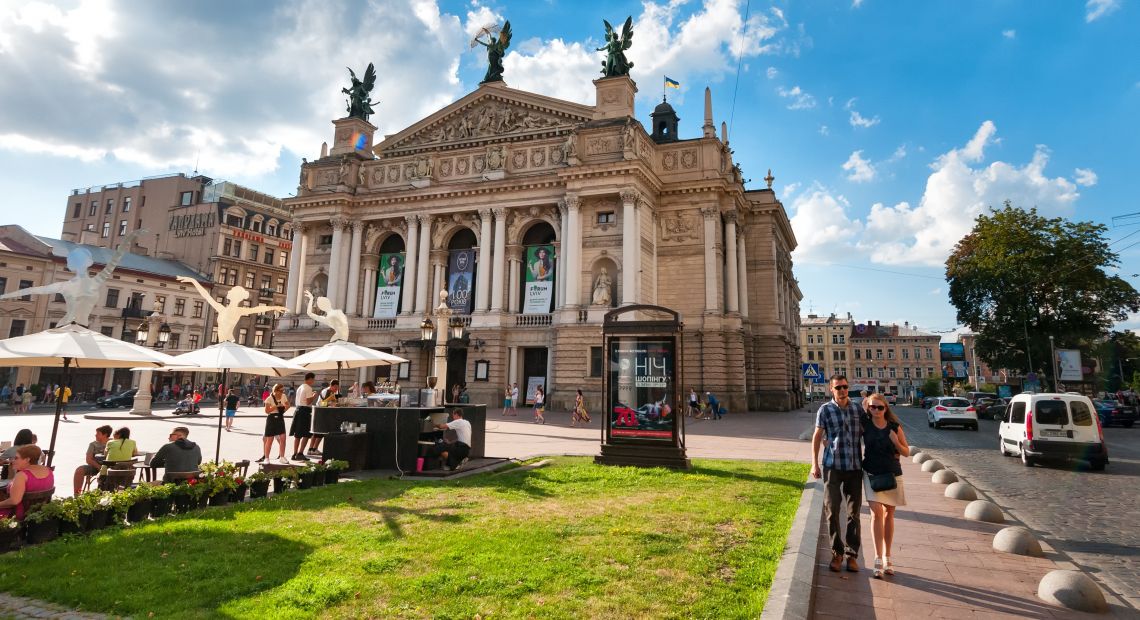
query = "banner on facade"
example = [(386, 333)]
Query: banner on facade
[(388, 282), (1069, 362), (460, 276), (539, 279), (641, 379)]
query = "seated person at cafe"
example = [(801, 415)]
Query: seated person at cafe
[(121, 448), (24, 437), (453, 450), (180, 455), (91, 466), (367, 389), (30, 477)]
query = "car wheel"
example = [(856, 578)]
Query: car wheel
[(930, 422), (974, 428), (1001, 447), (1026, 460), (1097, 465), (1128, 425)]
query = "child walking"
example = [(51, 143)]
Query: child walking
[(539, 407)]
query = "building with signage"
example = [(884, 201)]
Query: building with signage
[(136, 286), (883, 358), (823, 342), (230, 234), (537, 216)]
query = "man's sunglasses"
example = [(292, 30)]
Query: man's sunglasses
[(877, 407), (841, 388)]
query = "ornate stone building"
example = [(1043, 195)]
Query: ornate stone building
[(557, 212)]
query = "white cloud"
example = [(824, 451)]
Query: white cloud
[(823, 229), (1009, 34), (800, 100), (1085, 177), (790, 190), (772, 73), (1095, 9), (936, 292), (850, 103), (859, 170), (824, 131), (899, 154), (856, 3), (857, 120)]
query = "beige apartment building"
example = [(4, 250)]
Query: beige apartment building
[(230, 234), (136, 288), (883, 358), (538, 216)]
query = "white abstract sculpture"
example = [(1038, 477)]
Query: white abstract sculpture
[(228, 316), (333, 319), (82, 292)]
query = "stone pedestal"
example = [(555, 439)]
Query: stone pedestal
[(614, 97), (348, 131)]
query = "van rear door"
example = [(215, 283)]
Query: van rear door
[(1051, 420)]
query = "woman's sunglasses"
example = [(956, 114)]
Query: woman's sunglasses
[(877, 407)]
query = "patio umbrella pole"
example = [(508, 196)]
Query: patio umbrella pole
[(58, 408), (221, 413)]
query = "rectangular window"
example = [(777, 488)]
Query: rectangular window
[(108, 331), (243, 333), (283, 259), (892, 372), (918, 373), (1051, 412), (258, 337), (137, 300), (253, 248), (811, 339), (106, 229), (324, 240), (17, 328), (122, 227), (268, 256), (835, 339), (930, 371), (271, 230), (112, 298), (3, 285), (179, 306), (192, 341), (858, 372), (906, 373), (266, 283), (214, 336), (110, 206), (595, 361), (174, 341), (126, 205), (880, 373), (867, 354), (249, 278), (929, 353), (906, 354), (606, 217), (857, 352), (237, 248), (917, 353), (77, 210), (94, 208), (198, 309), (26, 284), (811, 356), (842, 339), (233, 220), (280, 286), (255, 226), (1017, 412), (186, 199), (890, 354), (227, 246), (160, 302), (878, 354)]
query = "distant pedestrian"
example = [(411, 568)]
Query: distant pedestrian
[(232, 401), (507, 400), (883, 443), (63, 394), (539, 405), (714, 406), (514, 399), (580, 414), (694, 404), (838, 421)]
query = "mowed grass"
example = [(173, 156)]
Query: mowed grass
[(571, 540)]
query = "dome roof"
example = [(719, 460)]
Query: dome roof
[(664, 108)]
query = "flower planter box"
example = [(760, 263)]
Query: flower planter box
[(332, 476), (183, 503), (203, 501), (160, 507), (43, 531), (220, 499), (318, 478), (259, 489), (239, 495), (280, 485), (140, 510), (71, 527), (305, 481), (99, 519), (10, 538)]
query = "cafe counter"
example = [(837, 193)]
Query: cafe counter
[(391, 435)]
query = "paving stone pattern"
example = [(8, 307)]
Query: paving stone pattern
[(1089, 516), (19, 608)]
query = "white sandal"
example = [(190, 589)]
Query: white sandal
[(877, 573), (887, 568)]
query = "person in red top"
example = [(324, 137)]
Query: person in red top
[(30, 477)]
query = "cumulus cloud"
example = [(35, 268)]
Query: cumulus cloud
[(856, 3), (858, 120), (823, 229), (800, 100), (900, 153), (1009, 34), (772, 73), (1096, 9), (858, 169), (824, 131), (1085, 177)]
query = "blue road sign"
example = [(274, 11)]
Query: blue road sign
[(812, 373)]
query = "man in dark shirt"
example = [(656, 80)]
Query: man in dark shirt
[(180, 455)]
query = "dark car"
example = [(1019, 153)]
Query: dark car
[(122, 399), (993, 408), (1112, 412)]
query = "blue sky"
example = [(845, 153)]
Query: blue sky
[(888, 125)]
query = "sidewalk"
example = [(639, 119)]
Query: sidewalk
[(946, 567)]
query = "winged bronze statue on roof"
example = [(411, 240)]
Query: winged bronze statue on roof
[(359, 103), (616, 63), (496, 47)]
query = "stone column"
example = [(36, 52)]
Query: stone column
[(345, 259), (731, 299), (293, 287), (299, 254), (560, 248), (499, 259), (712, 218), (335, 267), (423, 286), (411, 260), (483, 280), (369, 289), (631, 246), (512, 356), (352, 308), (439, 269), (516, 273), (572, 250), (742, 273)]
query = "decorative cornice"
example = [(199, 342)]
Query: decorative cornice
[(629, 195)]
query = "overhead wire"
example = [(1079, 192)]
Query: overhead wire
[(739, 62)]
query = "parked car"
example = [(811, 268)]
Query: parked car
[(1111, 411), (891, 399), (992, 408), (974, 397), (928, 402), (952, 411), (1049, 425), (125, 398)]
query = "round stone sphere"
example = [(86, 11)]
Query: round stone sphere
[(944, 476), (1018, 540), (1073, 590), (921, 457), (984, 510), (962, 491), (932, 465)]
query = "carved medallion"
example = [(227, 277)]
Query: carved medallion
[(557, 155), (519, 160), (377, 176), (393, 174), (669, 161), (445, 168), (537, 158), (479, 163), (678, 227), (688, 158), (462, 165)]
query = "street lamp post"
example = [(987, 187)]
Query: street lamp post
[(1053, 354), (442, 317), (154, 332)]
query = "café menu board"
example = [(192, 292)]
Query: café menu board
[(641, 384)]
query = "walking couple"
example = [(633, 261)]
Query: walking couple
[(861, 450)]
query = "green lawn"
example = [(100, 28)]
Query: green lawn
[(571, 540)]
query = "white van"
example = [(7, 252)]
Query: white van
[(1063, 426)]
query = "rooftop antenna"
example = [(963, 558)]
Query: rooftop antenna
[(197, 156)]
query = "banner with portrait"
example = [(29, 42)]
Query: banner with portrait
[(539, 292), (1069, 365), (641, 380), (460, 281), (389, 279)]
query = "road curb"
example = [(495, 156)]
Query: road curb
[(792, 595)]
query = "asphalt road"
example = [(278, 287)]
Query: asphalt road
[(1092, 517)]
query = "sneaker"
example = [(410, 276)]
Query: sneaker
[(462, 463), (313, 452), (260, 460), (300, 457), (283, 460)]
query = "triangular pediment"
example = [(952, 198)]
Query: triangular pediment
[(492, 113)]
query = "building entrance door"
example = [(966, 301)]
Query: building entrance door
[(534, 372), (456, 371)]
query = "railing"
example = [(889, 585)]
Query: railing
[(265, 293), (296, 322), (389, 323), (533, 320), (462, 319), (262, 321), (583, 316)]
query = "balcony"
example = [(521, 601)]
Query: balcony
[(265, 293), (381, 324), (263, 321), (135, 312), (533, 320)]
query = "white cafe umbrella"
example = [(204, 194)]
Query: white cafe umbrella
[(226, 356), (74, 346), (340, 354)]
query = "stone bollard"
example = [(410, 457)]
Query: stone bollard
[(932, 465), (962, 491), (1073, 590), (1018, 540), (985, 511), (921, 457), (944, 476)]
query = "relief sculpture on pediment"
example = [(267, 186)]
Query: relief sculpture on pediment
[(678, 227), (484, 121)]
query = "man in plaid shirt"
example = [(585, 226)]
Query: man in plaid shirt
[(838, 420)]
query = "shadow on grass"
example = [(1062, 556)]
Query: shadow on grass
[(155, 569), (713, 472)]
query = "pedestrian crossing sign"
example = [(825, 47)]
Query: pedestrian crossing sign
[(812, 373)]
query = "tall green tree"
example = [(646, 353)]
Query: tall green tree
[(1019, 278)]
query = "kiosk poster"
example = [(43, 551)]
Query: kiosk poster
[(641, 380), (388, 283), (539, 279), (460, 275)]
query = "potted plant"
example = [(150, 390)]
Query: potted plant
[(99, 503), (333, 469), (258, 484), (219, 488), (284, 479), (184, 500), (305, 476), (199, 493), (72, 517), (238, 494), (142, 505), (10, 534), (121, 503), (319, 470), (162, 500), (43, 523)]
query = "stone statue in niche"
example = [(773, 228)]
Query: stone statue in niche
[(602, 289), (333, 319)]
